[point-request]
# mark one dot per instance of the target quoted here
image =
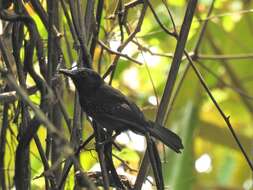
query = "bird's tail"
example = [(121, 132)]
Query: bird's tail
[(166, 136)]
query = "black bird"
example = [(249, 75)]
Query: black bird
[(115, 112)]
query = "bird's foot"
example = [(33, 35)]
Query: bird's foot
[(110, 139), (101, 144)]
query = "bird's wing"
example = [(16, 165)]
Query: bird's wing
[(119, 105)]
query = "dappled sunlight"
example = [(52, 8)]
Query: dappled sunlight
[(131, 78), (132, 140), (203, 164)]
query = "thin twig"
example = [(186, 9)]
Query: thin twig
[(225, 84), (69, 161), (225, 57), (11, 96), (118, 53), (203, 30), (42, 117), (225, 118), (130, 37)]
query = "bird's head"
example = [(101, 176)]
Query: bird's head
[(83, 78)]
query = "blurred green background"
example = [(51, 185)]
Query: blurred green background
[(211, 158)]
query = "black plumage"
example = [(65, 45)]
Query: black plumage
[(113, 110)]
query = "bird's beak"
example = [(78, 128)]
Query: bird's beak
[(66, 72)]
